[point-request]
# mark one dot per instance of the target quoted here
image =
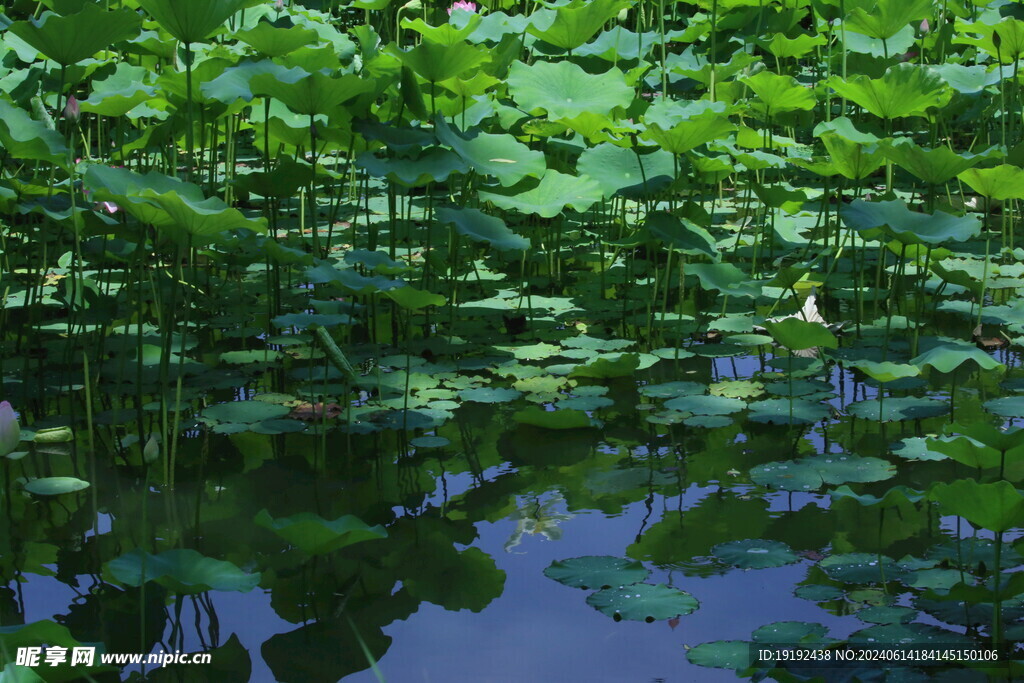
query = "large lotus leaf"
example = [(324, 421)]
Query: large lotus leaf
[(853, 160), (125, 188), (966, 451), (564, 90), (1001, 37), (434, 62), (643, 602), (725, 277), (412, 298), (950, 354), (862, 568), (448, 34), (55, 486), (787, 411), (886, 371), (618, 170), (501, 155), (681, 235), (1008, 406), (283, 180), (997, 507), (235, 82), (721, 654), (70, 39), (897, 409), (120, 92), (468, 579), (191, 21), (315, 535), (244, 412), (701, 404), (999, 182), (489, 394), (810, 474), (886, 18), (183, 571), (575, 23), (778, 94), (25, 138), (910, 227), (275, 42), (897, 495), (596, 572), (548, 197), (432, 165), (797, 335), (604, 368), (904, 90), (306, 93), (619, 43), (479, 227), (198, 221), (755, 554), (967, 80), (683, 136), (933, 166)]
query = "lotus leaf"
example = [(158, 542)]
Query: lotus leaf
[(643, 602), (183, 571), (596, 572), (315, 535)]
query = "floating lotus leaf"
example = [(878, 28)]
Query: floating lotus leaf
[(643, 602), (818, 593), (897, 409), (245, 412), (672, 389), (489, 395), (183, 571), (755, 554), (737, 389), (604, 368), (429, 442), (787, 411), (887, 614), (810, 474), (596, 572), (706, 405), (315, 535), (55, 486), (862, 568), (553, 419), (721, 654)]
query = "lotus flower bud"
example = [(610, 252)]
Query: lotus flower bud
[(463, 5), (279, 5), (151, 451), (10, 431), (925, 26), (72, 111)]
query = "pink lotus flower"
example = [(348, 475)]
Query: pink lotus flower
[(72, 111), (109, 207), (279, 5), (10, 432), (463, 5), (925, 26)]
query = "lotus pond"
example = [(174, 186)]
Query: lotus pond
[(589, 340)]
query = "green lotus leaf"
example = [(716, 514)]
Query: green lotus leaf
[(283, 180), (275, 42), (1000, 182), (886, 371), (191, 21), (934, 166), (721, 654), (183, 571), (904, 90), (788, 411), (55, 486), (432, 165), (681, 235), (315, 535), (25, 138), (501, 156), (70, 39), (741, 388), (885, 18), (796, 334), (235, 82), (897, 495), (596, 572), (479, 227), (553, 419), (429, 442), (897, 409), (810, 474), (199, 222), (997, 507), (434, 62), (1008, 406), (308, 93), (887, 614), (950, 354), (575, 23), (862, 568), (725, 277), (911, 635), (818, 593), (120, 92), (1000, 37), (489, 395), (672, 389), (778, 94), (564, 90), (412, 298), (643, 602), (910, 227), (791, 632), (851, 159), (706, 405), (622, 171), (755, 554), (549, 196), (679, 128), (967, 80), (967, 451), (244, 412), (446, 34)]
